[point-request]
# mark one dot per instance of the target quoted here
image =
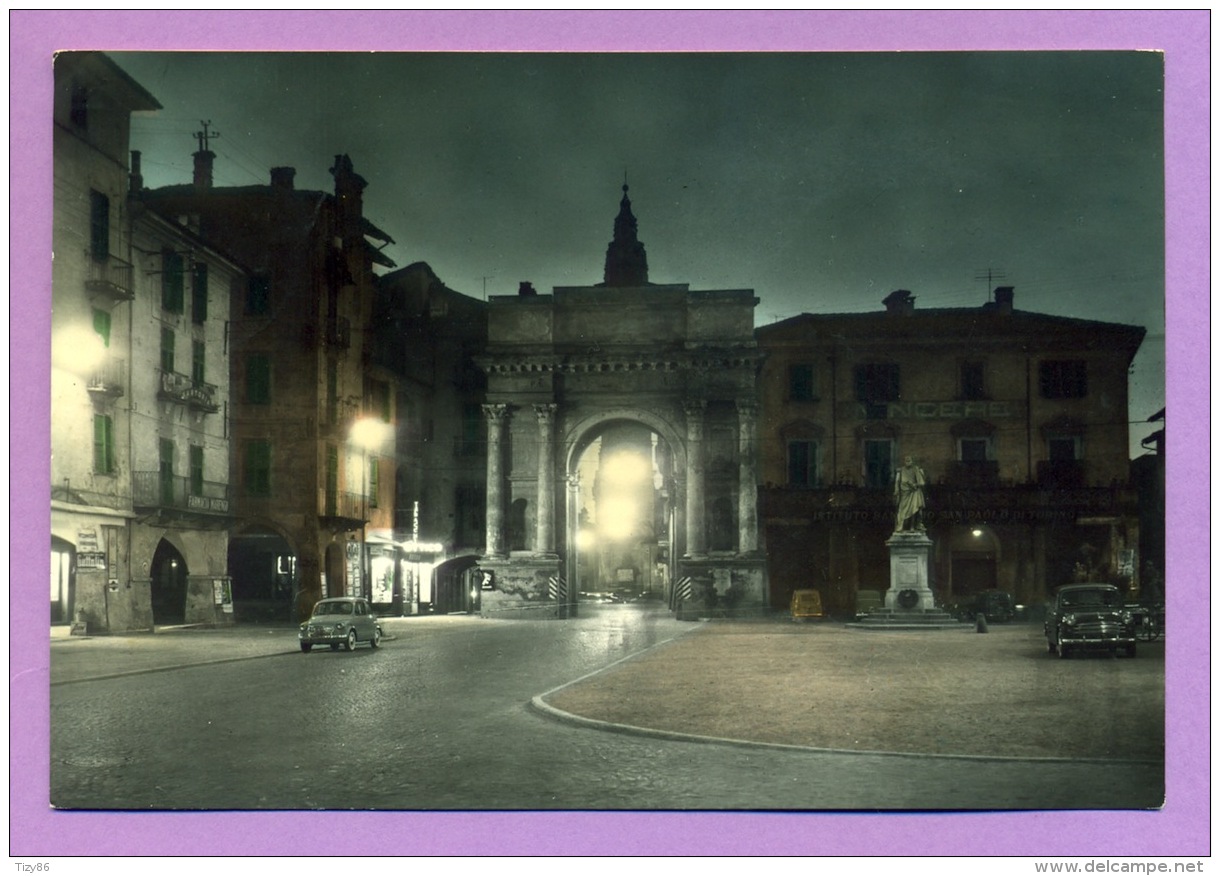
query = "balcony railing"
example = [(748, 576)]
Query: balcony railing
[(195, 394), (109, 380), (1061, 473), (152, 489), (109, 281), (334, 503)]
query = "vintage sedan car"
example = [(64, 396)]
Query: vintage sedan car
[(345, 621), (1089, 616)]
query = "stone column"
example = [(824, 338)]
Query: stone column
[(747, 478), (696, 528), (544, 531), (496, 415)]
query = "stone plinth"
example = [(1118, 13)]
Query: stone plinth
[(909, 589), (730, 586), (524, 586)]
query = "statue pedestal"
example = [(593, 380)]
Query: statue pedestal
[(909, 591)]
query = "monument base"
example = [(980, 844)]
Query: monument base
[(524, 585), (909, 602), (720, 586)]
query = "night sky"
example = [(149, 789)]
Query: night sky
[(823, 181)]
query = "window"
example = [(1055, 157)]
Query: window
[(196, 470), (1066, 378), (258, 295), (1063, 448), (877, 384), (879, 463), (197, 362), (101, 325), (377, 400), (167, 350), (103, 444), (256, 471), (171, 281), (803, 464), (166, 471), (973, 449), (332, 392), (199, 293), (972, 381), (332, 480), (374, 481), (258, 379), (78, 113), (800, 382), (99, 226)]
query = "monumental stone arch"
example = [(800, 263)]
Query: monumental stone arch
[(621, 438)]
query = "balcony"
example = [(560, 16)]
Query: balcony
[(109, 281), (1064, 474), (184, 390), (154, 491), (351, 508), (974, 474), (108, 381)]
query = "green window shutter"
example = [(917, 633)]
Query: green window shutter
[(196, 470), (258, 295), (103, 444), (167, 350), (258, 379), (99, 226), (172, 281), (258, 468), (101, 325), (198, 354), (199, 293), (374, 481)]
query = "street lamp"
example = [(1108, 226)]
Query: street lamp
[(367, 433)]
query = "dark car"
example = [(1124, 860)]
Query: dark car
[(341, 621), (1089, 617)]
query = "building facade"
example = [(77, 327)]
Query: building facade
[(1018, 420), (139, 381), (428, 336), (313, 418)]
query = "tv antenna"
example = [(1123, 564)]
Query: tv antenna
[(204, 135), (990, 276)]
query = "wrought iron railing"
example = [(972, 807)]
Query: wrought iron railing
[(153, 489), (195, 394), (110, 378), (109, 279)]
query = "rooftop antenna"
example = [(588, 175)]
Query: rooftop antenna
[(204, 135), (990, 276), (485, 279)]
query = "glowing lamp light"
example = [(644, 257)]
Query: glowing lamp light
[(369, 432), (79, 350)]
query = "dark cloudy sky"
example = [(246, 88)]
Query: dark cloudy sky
[(823, 181)]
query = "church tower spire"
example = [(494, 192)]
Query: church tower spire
[(626, 261)]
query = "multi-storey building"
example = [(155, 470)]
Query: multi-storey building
[(312, 418), (427, 335), (139, 381), (1018, 419)]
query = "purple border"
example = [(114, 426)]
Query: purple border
[(1180, 829)]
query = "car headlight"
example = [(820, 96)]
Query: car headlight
[(1069, 620), (1126, 618)]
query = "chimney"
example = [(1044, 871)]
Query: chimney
[(526, 289), (900, 301), (282, 178), (136, 177), (203, 169), (1003, 299)]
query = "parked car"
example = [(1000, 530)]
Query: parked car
[(341, 621), (1089, 616)]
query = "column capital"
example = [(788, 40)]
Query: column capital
[(545, 412), (495, 412)]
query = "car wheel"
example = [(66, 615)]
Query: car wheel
[(350, 644), (305, 646), (376, 640)]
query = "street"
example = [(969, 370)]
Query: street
[(439, 718)]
